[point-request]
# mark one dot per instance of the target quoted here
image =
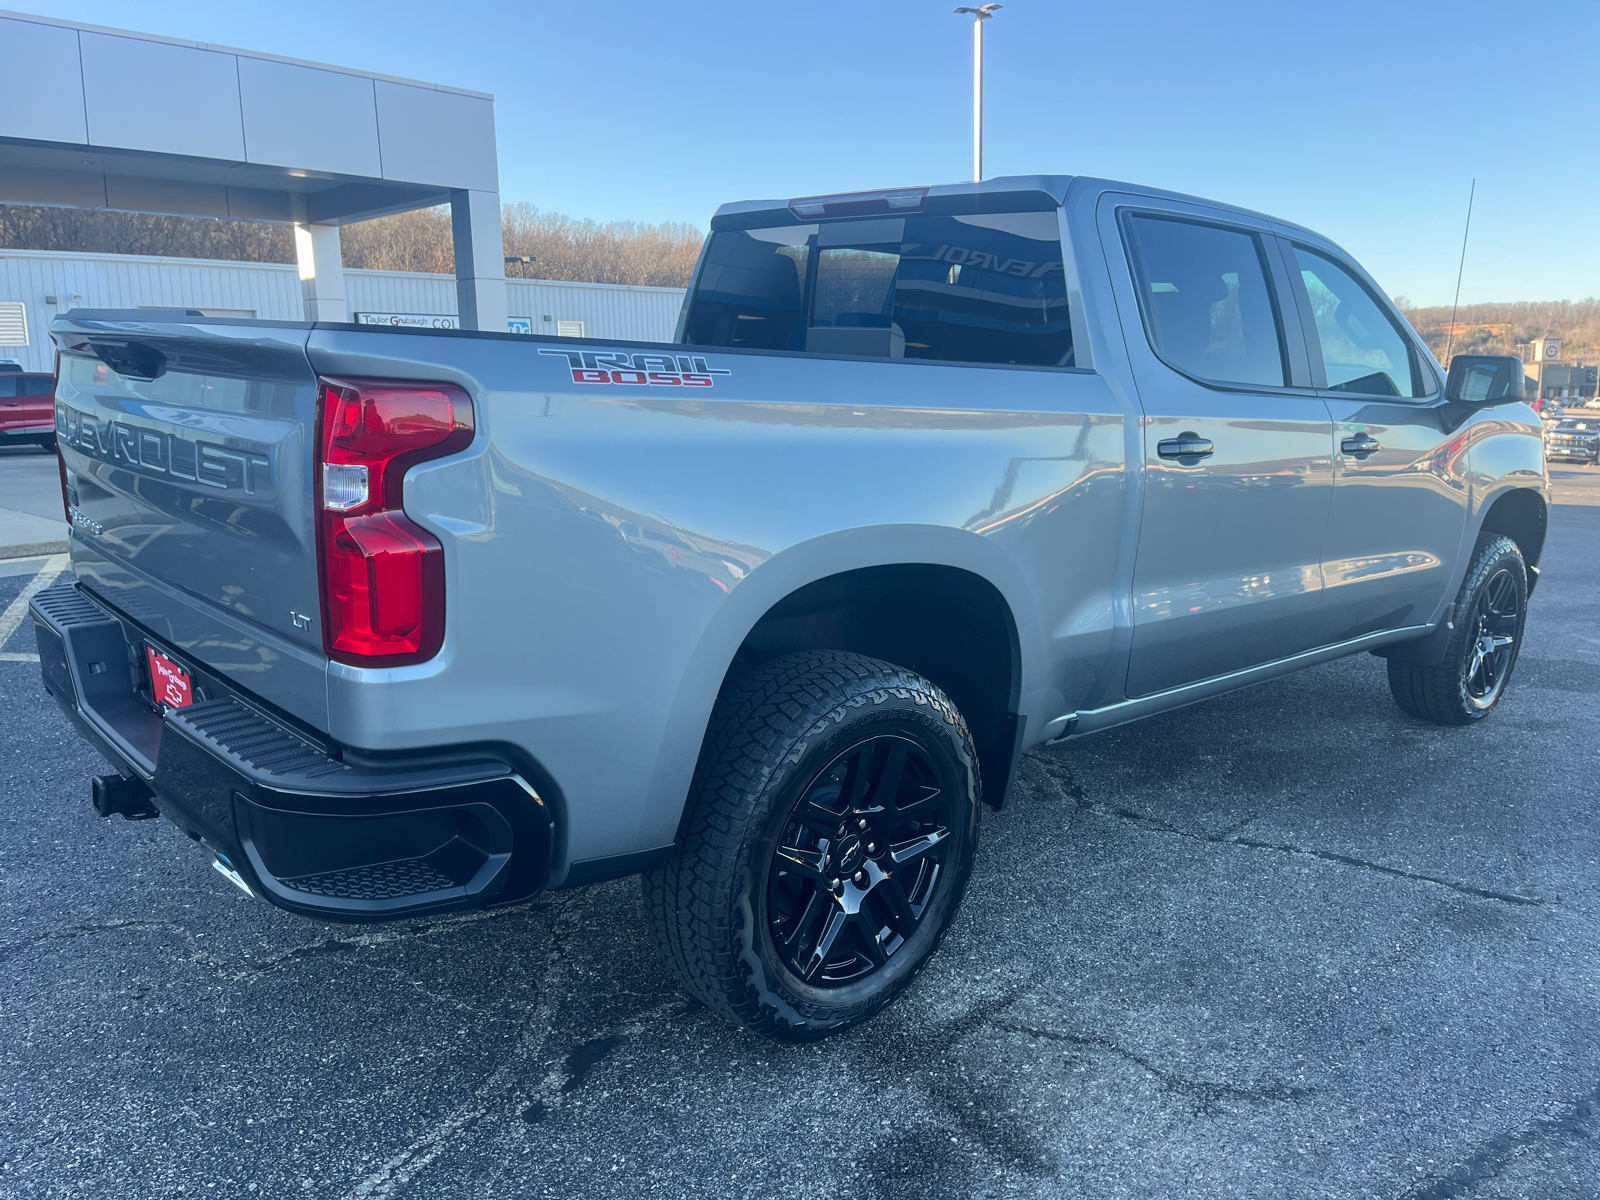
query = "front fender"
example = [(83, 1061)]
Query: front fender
[(1505, 459)]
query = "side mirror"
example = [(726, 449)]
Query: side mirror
[(1485, 379)]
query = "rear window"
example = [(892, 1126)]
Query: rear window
[(979, 289)]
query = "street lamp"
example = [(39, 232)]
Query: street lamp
[(979, 15), (525, 260)]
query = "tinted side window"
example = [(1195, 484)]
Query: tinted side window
[(985, 288), (1204, 292), (8, 385), (1362, 351), (36, 385)]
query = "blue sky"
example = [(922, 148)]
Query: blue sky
[(1365, 121)]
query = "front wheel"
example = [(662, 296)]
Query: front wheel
[(1491, 611), (829, 837)]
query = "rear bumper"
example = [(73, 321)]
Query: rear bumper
[(304, 828)]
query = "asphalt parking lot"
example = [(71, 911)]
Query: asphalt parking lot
[(1284, 943)]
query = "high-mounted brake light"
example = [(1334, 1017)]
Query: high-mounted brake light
[(860, 204), (382, 576)]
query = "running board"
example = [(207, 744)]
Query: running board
[(1078, 724)]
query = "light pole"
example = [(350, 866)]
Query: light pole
[(979, 15)]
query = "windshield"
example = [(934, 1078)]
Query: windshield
[(1573, 423), (983, 289)]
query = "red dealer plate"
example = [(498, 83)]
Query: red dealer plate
[(169, 682)]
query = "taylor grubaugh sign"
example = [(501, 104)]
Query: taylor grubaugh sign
[(650, 370)]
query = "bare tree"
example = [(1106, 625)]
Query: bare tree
[(412, 241), (29, 227), (1505, 328), (563, 247), (617, 252)]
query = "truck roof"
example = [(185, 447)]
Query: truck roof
[(1056, 186)]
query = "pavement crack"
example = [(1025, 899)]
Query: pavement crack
[(1346, 860), (918, 1053), (1576, 1121), (1206, 1094), (500, 1085), (1228, 837), (377, 936)]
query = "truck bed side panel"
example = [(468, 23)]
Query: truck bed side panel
[(608, 546)]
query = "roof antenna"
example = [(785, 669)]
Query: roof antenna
[(1459, 271)]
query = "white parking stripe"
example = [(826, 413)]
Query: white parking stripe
[(18, 609)]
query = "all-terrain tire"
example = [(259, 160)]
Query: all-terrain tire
[(773, 733), (1451, 692)]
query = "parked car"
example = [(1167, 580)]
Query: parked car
[(395, 621), (27, 408), (1574, 439)]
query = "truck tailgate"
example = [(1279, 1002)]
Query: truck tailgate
[(189, 450)]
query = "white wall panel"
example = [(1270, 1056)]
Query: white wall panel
[(626, 314), (43, 83), (298, 116), (437, 137), (146, 95)]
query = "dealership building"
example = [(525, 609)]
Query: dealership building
[(107, 119), (35, 285)]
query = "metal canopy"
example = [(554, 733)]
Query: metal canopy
[(104, 118)]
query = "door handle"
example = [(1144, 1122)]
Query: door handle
[(1361, 445), (1185, 445)]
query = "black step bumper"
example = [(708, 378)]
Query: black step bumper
[(281, 807)]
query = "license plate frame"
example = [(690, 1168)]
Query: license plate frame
[(171, 685)]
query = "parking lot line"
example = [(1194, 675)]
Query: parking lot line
[(18, 608)]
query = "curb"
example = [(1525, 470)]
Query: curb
[(32, 549)]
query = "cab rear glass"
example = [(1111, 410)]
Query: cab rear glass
[(980, 288)]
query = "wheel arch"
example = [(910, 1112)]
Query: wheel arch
[(887, 591), (1521, 514)]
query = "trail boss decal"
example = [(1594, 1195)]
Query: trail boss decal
[(648, 370)]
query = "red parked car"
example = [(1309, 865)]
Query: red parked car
[(27, 408)]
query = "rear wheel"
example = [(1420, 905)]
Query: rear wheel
[(829, 838), (1491, 611)]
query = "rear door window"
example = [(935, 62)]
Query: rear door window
[(1208, 307), (985, 288), (1362, 349)]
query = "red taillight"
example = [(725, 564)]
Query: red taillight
[(382, 576)]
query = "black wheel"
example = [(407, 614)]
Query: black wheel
[(828, 839), (1491, 611)]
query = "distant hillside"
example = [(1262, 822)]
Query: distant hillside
[(1506, 328)]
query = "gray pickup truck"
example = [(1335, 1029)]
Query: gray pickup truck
[(399, 621)]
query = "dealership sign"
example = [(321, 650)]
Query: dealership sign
[(408, 320), (433, 321)]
